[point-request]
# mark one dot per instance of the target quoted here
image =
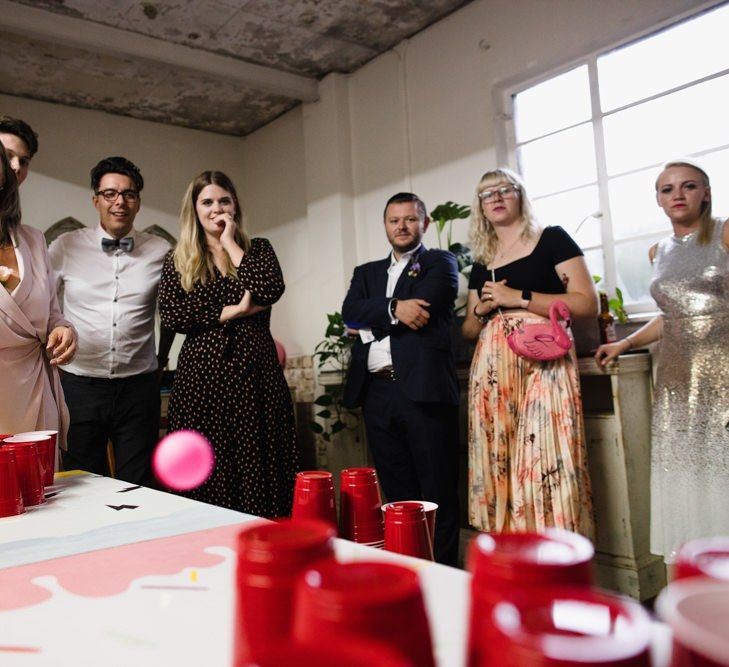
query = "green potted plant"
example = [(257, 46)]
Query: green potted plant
[(443, 216), (616, 303), (333, 354)]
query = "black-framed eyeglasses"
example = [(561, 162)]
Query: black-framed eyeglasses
[(111, 195), (505, 192)]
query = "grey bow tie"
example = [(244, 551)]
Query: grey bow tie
[(126, 244)]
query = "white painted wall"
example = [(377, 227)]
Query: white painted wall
[(421, 118), (72, 141)]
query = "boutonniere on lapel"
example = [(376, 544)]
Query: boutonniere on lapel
[(415, 267)]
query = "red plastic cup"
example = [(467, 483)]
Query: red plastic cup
[(11, 498), (431, 509), (568, 626), (270, 557), (43, 442), (502, 564), (406, 529), (48, 450), (314, 497), (30, 469), (697, 610), (378, 601), (708, 557), (360, 515), (338, 651)]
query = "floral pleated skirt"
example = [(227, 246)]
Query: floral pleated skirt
[(526, 443)]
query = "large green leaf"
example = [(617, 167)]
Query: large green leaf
[(324, 399)]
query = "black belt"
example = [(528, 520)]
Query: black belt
[(387, 373)]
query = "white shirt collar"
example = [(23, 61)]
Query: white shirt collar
[(405, 257), (101, 233)]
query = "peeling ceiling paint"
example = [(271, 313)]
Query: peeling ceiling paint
[(309, 38)]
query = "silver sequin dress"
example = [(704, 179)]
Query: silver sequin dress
[(690, 448)]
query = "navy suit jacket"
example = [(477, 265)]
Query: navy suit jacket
[(423, 359)]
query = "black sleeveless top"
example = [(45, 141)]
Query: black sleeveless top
[(535, 271)]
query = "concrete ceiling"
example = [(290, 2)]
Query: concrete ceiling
[(227, 66)]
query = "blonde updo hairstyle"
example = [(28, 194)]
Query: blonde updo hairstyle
[(706, 221), (483, 238), (193, 261)]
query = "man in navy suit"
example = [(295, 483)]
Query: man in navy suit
[(402, 370)]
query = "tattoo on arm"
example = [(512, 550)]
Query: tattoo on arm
[(565, 280)]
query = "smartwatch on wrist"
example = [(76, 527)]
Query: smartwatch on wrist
[(526, 297)]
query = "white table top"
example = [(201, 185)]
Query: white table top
[(110, 574)]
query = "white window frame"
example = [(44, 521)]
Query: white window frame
[(505, 138)]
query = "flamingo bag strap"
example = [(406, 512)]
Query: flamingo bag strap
[(542, 341)]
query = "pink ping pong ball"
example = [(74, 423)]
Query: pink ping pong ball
[(183, 460)]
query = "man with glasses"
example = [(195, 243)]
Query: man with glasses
[(109, 276), (402, 370)]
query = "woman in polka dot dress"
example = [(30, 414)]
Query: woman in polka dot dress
[(217, 287)]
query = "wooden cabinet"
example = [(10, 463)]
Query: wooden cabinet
[(617, 406)]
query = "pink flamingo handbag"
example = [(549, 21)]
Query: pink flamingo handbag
[(542, 342)]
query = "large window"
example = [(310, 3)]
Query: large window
[(589, 142)]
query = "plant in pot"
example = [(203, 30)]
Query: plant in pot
[(443, 216), (616, 303), (333, 355)]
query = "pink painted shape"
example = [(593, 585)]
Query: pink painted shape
[(111, 571)]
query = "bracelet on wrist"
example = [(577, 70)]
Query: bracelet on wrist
[(481, 318), (630, 343)]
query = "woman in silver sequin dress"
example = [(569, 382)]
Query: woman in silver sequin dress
[(690, 448)]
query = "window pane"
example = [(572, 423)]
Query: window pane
[(684, 53), (559, 162), (559, 102), (568, 210), (595, 262), (683, 123), (634, 269), (633, 206)]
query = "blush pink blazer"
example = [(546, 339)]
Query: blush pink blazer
[(31, 397)]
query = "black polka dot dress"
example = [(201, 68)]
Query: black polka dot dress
[(230, 387)]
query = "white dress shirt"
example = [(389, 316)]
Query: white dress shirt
[(110, 297), (380, 355)]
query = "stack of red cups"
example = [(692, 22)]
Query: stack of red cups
[(379, 602), (270, 558), (507, 564), (30, 466), (48, 451), (360, 512), (568, 626), (406, 529), (314, 497), (11, 497), (696, 604)]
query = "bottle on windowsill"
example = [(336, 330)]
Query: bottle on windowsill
[(606, 321)]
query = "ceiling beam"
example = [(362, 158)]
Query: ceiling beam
[(95, 37)]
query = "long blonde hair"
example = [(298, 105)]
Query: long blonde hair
[(706, 221), (192, 259), (484, 240)]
